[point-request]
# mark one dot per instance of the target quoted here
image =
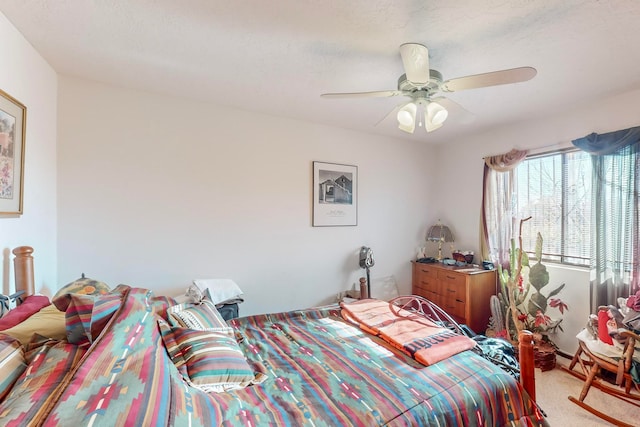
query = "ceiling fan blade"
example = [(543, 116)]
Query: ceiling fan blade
[(374, 94), (393, 112), (415, 58), (458, 112), (513, 75)]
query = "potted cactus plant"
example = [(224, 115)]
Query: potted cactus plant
[(523, 304), (535, 317)]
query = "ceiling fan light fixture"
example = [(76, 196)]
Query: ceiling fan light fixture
[(407, 117), (436, 114), (430, 126)]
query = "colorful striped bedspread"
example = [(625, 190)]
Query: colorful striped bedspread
[(321, 372)]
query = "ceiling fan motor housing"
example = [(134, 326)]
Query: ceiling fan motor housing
[(433, 85)]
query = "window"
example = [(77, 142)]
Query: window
[(555, 190)]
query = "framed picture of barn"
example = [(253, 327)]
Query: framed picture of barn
[(335, 194), (13, 117)]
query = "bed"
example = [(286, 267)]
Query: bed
[(126, 361)]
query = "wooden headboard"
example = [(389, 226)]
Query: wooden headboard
[(23, 268)]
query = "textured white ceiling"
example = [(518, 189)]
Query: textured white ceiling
[(278, 56)]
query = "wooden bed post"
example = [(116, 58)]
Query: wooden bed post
[(23, 269), (527, 365)]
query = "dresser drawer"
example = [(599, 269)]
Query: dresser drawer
[(426, 278), (451, 277), (426, 270), (452, 285), (453, 307), (452, 291)]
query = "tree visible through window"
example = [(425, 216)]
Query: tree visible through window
[(555, 190)]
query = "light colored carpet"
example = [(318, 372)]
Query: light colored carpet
[(553, 388)]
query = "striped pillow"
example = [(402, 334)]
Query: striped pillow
[(202, 316), (12, 363), (208, 360)]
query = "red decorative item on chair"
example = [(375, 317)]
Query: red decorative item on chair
[(603, 330)]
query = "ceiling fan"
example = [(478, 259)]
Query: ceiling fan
[(424, 85)]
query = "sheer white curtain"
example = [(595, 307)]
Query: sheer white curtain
[(498, 219)]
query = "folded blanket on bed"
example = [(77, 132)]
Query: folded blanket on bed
[(221, 291), (414, 335)]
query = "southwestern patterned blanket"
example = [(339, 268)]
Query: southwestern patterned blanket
[(409, 332), (316, 369)]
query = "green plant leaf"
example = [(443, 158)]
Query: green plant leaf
[(512, 259), (538, 276), (504, 277), (537, 301), (503, 300), (556, 291), (539, 247)]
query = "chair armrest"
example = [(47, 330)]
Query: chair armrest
[(626, 333), (630, 339)]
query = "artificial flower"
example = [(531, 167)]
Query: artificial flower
[(556, 302)]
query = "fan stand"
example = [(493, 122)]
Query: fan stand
[(367, 288)]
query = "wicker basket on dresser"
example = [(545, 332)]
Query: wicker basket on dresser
[(463, 292)]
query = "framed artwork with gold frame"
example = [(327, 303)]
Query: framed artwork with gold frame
[(13, 124)]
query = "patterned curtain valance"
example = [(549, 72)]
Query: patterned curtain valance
[(608, 143), (506, 162)]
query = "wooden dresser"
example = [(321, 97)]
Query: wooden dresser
[(463, 292)]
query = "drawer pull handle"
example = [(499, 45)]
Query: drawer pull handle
[(451, 277), (451, 290)]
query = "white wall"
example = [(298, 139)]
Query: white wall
[(29, 79), (462, 161), (155, 191)]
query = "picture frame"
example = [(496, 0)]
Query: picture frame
[(13, 122), (335, 194)]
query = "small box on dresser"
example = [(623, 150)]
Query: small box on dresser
[(463, 292)]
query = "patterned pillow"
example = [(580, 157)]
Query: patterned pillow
[(208, 360), (12, 363), (161, 304), (83, 286), (48, 322), (203, 317), (31, 305), (87, 315)]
